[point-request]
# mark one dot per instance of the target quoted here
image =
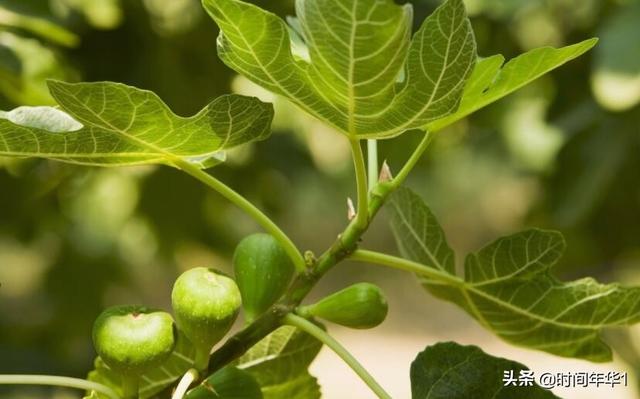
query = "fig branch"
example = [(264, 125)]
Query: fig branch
[(345, 244)]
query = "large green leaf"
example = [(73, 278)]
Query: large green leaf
[(279, 363), (361, 71), (507, 286), (228, 383), (155, 380), (492, 81), (111, 124), (451, 371)]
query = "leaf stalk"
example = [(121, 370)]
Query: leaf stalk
[(395, 262), (324, 337), (241, 202), (361, 218), (52, 380), (412, 161)]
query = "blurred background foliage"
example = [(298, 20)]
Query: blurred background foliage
[(563, 153)]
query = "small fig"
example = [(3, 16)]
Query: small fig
[(132, 340), (263, 271), (205, 304), (359, 306)]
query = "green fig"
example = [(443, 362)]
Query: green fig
[(360, 306), (263, 271), (132, 340), (205, 304)]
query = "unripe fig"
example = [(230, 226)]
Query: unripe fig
[(263, 272), (360, 306), (205, 304), (132, 340)]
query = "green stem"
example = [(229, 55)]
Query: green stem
[(340, 350), (201, 360), (262, 219), (412, 161), (362, 217), (185, 382), (52, 380), (372, 162), (395, 262)]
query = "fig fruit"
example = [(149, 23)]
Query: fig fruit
[(205, 303), (263, 271), (359, 306), (132, 340)]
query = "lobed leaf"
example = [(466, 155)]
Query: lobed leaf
[(452, 371), (492, 81), (361, 72), (280, 364), (508, 286), (111, 124)]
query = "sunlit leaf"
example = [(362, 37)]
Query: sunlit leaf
[(508, 287), (279, 363), (111, 124), (358, 50), (452, 371), (492, 81)]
